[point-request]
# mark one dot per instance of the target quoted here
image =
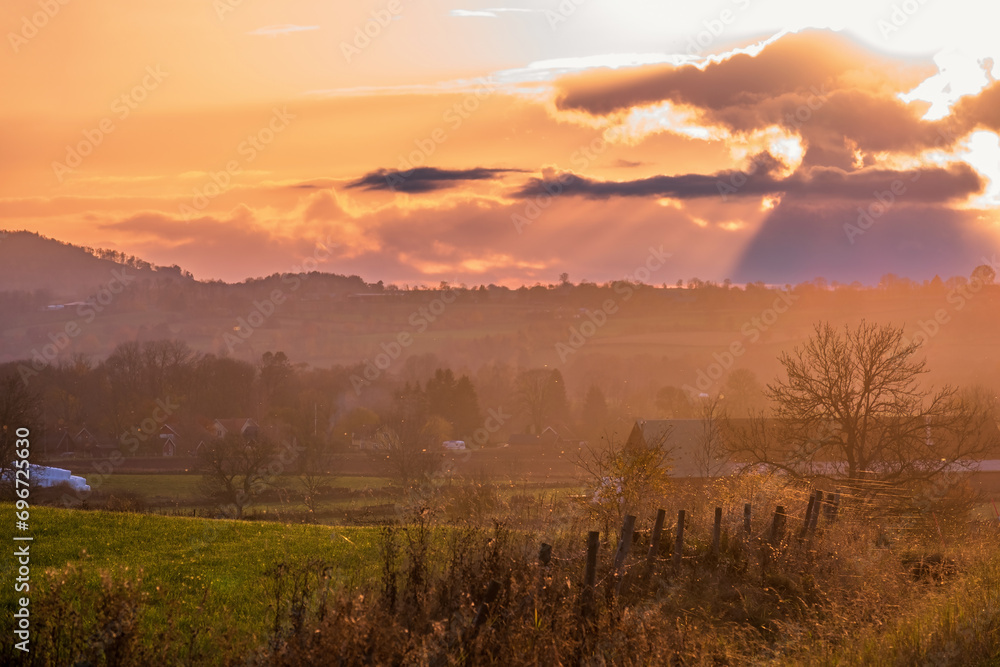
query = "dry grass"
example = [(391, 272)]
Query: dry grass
[(857, 592), (871, 587)]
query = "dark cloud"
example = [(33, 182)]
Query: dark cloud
[(934, 184), (833, 123), (622, 163), (928, 184), (980, 111), (684, 186), (423, 179), (797, 63), (800, 242), (837, 95)]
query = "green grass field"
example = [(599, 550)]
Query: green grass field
[(150, 486), (184, 561), (181, 494), (213, 575), (186, 487)]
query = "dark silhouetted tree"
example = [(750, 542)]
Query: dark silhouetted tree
[(235, 470), (674, 403), (19, 408), (455, 400), (594, 412), (742, 393), (852, 400), (541, 395)]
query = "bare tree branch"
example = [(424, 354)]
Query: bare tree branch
[(851, 405)]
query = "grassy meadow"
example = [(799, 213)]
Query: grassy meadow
[(130, 588), (191, 572)]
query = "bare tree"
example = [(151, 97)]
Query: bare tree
[(674, 403), (541, 396), (711, 455), (136, 374), (851, 405), (742, 392), (409, 449), (19, 408), (236, 469), (313, 465)]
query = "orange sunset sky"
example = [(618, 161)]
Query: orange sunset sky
[(750, 139)]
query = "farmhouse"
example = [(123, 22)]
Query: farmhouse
[(86, 441), (170, 439), (244, 426), (71, 440), (58, 443), (216, 429), (694, 448)]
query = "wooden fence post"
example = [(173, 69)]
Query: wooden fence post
[(484, 607), (746, 519), (833, 506), (654, 544), (624, 544), (590, 573), (545, 554), (814, 519), (778, 525), (717, 533), (544, 559), (777, 533), (809, 511), (679, 541)]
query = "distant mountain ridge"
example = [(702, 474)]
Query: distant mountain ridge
[(30, 262)]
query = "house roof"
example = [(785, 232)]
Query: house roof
[(84, 433), (239, 425), (685, 440), (85, 437), (57, 440), (236, 424)]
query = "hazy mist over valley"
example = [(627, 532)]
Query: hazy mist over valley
[(553, 332)]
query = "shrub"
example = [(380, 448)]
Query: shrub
[(125, 501)]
